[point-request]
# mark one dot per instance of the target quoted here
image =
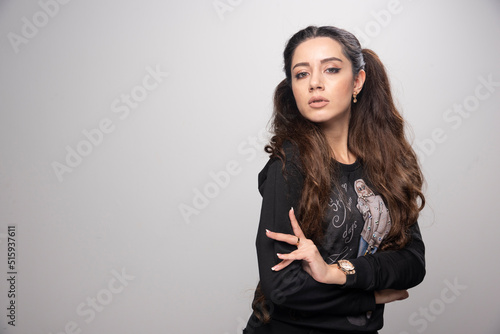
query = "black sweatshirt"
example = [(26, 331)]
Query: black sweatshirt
[(292, 295)]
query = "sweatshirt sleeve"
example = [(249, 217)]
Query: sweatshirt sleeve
[(292, 287), (393, 269)]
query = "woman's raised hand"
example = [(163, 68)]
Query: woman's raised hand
[(312, 261), (314, 265)]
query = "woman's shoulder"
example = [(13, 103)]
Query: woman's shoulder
[(287, 166), (287, 159)]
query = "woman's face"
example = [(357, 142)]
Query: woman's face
[(323, 82)]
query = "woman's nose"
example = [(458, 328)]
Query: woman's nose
[(316, 82)]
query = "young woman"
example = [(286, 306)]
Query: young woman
[(338, 235)]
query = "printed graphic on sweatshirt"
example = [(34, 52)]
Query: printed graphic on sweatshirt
[(377, 221), (343, 227)]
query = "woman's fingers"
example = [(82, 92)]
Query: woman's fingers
[(289, 257), (282, 265), (288, 238), (295, 239), (295, 225)]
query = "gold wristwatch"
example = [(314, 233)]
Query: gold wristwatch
[(346, 266)]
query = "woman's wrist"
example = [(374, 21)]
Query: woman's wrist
[(336, 276)]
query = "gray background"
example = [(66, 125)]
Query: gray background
[(118, 210)]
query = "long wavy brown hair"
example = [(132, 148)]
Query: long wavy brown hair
[(376, 137)]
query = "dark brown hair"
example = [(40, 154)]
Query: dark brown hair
[(376, 137)]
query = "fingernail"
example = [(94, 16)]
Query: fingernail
[(278, 254), (292, 209), (267, 231), (273, 268)]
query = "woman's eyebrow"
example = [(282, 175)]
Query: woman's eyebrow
[(326, 60)]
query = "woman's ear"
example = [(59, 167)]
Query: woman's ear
[(359, 81)]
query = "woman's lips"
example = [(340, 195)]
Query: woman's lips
[(318, 102)]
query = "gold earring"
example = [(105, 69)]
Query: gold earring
[(354, 97)]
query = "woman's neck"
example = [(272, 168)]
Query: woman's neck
[(341, 152), (337, 137)]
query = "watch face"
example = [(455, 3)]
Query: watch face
[(346, 265)]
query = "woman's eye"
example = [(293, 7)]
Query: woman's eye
[(300, 75), (333, 70)]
